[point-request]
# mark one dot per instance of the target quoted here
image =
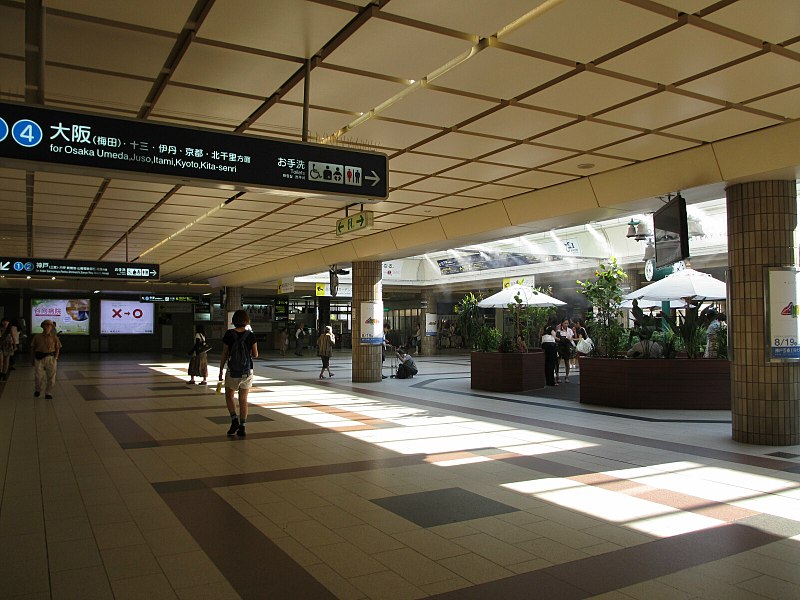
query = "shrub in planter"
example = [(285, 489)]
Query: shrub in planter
[(605, 295)]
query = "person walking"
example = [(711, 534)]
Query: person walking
[(239, 348), (198, 364), (300, 336), (7, 347), (45, 350), (325, 346), (550, 354)]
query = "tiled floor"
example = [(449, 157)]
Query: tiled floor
[(126, 486)]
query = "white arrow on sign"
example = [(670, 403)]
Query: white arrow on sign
[(374, 178), (153, 273), (4, 265)]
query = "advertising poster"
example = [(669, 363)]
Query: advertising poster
[(431, 321), (70, 316), (782, 312), (371, 323), (126, 317)]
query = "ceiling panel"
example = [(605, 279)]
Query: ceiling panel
[(397, 50), (12, 86), (648, 146), (110, 48), (224, 69), (12, 30), (518, 123), (288, 119), (499, 73), (387, 134), (585, 135), (753, 78), (436, 108), (587, 164), (659, 110), (413, 162), (440, 185), (352, 92), (721, 125), (786, 104), (778, 24), (293, 27), (674, 56), (463, 145), (169, 16), (585, 31), (481, 171), (195, 104), (529, 155)]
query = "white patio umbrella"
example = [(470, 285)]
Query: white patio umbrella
[(527, 294), (687, 283)]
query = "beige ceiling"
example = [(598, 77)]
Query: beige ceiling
[(565, 115)]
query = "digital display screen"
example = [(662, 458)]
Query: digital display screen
[(126, 317), (71, 316), (671, 232)]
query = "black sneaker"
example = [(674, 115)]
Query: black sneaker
[(36, 394), (241, 432), (48, 396), (234, 426)]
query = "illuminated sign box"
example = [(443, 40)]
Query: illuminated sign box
[(154, 298), (47, 139), (57, 267)]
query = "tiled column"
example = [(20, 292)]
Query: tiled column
[(428, 305), (366, 288), (233, 301), (765, 407)]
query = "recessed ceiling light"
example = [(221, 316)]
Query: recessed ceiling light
[(586, 166)]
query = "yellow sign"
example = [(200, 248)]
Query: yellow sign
[(320, 287)]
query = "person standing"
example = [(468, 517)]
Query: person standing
[(711, 333), (198, 364), (239, 348), (550, 354), (283, 341), (300, 336), (325, 346), (45, 350), (7, 347), (565, 333)]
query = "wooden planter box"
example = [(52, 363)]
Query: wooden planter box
[(678, 383), (507, 371)]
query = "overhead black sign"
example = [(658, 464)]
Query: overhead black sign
[(153, 298), (61, 267), (66, 139)]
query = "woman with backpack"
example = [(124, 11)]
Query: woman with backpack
[(238, 351), (325, 347)]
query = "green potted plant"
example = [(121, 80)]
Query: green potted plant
[(605, 295), (470, 318)]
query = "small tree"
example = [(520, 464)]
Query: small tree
[(605, 295), (530, 320), (470, 318)]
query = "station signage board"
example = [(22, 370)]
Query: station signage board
[(46, 139), (194, 299), (12, 266), (354, 222)]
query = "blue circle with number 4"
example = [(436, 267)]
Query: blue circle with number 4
[(26, 133), (3, 129)]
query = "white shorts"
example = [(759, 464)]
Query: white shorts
[(238, 383)]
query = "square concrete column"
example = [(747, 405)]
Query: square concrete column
[(765, 403), (366, 288), (428, 344)]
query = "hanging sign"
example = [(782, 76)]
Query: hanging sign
[(11, 266), (46, 139)]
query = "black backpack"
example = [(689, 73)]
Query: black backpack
[(240, 362)]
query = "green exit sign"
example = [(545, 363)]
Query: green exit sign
[(354, 222)]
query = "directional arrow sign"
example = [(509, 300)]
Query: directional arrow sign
[(62, 267), (374, 178), (354, 222)]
